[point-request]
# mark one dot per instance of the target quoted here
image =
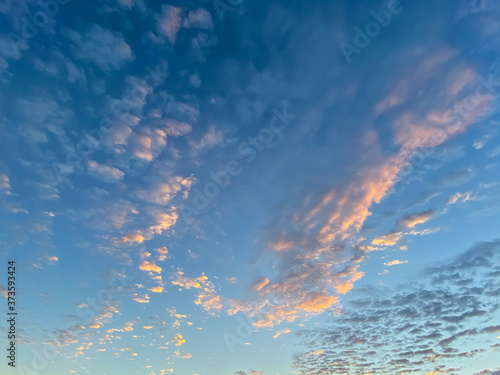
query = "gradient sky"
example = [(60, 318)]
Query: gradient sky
[(251, 187)]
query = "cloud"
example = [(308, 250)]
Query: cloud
[(162, 253), (326, 217), (163, 192), (420, 218), (208, 141), (198, 18), (176, 128), (43, 191), (395, 263), (178, 340), (261, 284), (139, 299), (433, 325), (4, 184), (183, 355), (129, 327), (463, 197), (282, 332), (281, 246), (157, 289), (104, 172), (251, 372), (164, 221), (389, 239), (50, 259), (169, 22), (344, 288), (150, 267), (104, 48), (206, 297), (134, 237), (149, 144), (489, 372)]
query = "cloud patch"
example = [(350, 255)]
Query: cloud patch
[(420, 327), (105, 48), (420, 218)]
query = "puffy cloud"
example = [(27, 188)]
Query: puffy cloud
[(316, 302), (162, 253), (187, 282), (169, 22), (105, 172), (162, 192), (149, 144), (4, 184), (427, 326), (420, 218), (164, 221), (150, 267), (176, 128), (389, 239), (143, 299), (206, 297), (281, 245), (344, 288), (198, 18), (105, 48), (134, 237), (178, 340), (209, 140), (156, 289)]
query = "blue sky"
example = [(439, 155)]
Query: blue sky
[(247, 188)]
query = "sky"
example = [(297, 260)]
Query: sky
[(241, 187)]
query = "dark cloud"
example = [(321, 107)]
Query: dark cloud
[(419, 327)]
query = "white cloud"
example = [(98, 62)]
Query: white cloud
[(104, 172), (463, 197), (169, 22), (148, 145), (395, 263), (163, 192), (4, 184), (107, 49), (199, 18), (209, 140)]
